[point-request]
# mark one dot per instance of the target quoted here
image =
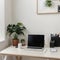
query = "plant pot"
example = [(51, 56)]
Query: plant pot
[(23, 44), (15, 42)]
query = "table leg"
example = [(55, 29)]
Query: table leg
[(4, 57), (18, 58)]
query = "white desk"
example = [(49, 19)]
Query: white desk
[(12, 51)]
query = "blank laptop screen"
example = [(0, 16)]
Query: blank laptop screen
[(36, 41)]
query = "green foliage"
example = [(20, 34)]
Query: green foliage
[(48, 3), (22, 40), (16, 36), (17, 29)]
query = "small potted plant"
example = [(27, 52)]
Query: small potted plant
[(15, 30), (23, 42)]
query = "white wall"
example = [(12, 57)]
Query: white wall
[(8, 15), (8, 12), (5, 19), (2, 20), (25, 11)]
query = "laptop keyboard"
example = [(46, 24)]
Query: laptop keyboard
[(34, 47), (35, 50)]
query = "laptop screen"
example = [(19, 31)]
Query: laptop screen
[(36, 41)]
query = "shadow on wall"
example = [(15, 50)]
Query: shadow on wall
[(3, 45)]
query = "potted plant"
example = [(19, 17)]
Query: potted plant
[(15, 30), (23, 42)]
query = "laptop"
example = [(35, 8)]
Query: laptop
[(35, 41)]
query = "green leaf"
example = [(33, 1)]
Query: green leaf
[(48, 3), (15, 28), (19, 24), (15, 36)]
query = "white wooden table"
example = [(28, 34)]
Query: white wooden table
[(19, 53)]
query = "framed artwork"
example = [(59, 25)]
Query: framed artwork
[(48, 6)]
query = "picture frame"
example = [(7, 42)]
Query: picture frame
[(43, 9)]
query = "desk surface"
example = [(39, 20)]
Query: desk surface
[(46, 53)]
